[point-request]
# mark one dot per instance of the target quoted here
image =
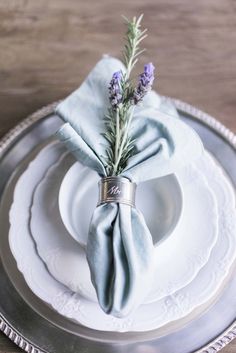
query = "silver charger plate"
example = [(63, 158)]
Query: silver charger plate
[(33, 326)]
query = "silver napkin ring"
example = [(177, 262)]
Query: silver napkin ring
[(116, 189)]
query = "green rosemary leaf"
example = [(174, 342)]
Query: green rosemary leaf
[(139, 53), (139, 20)]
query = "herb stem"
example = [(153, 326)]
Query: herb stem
[(117, 136), (129, 65), (123, 140)]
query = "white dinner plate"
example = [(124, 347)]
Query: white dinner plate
[(148, 316)]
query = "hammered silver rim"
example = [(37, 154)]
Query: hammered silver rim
[(205, 118), (229, 334), (24, 124), (17, 338)]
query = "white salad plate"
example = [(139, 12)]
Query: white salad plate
[(148, 316), (178, 258), (160, 201)]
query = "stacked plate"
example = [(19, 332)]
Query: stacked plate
[(191, 215)]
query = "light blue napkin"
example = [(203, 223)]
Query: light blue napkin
[(120, 250)]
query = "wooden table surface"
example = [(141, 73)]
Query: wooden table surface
[(48, 47)]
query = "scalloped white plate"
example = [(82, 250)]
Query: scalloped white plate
[(149, 316), (178, 259)]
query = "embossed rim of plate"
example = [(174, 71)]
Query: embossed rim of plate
[(216, 344)]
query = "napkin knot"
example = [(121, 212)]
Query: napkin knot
[(116, 189)]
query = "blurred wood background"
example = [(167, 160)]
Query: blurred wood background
[(48, 46)]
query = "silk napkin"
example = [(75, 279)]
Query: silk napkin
[(120, 247)]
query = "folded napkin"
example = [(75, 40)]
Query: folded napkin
[(120, 247)]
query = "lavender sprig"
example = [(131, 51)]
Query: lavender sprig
[(115, 90), (145, 83), (123, 98)]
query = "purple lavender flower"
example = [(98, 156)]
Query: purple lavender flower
[(145, 83), (115, 94)]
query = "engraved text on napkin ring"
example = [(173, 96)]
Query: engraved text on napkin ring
[(116, 189)]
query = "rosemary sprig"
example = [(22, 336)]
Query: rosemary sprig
[(134, 36), (123, 97)]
